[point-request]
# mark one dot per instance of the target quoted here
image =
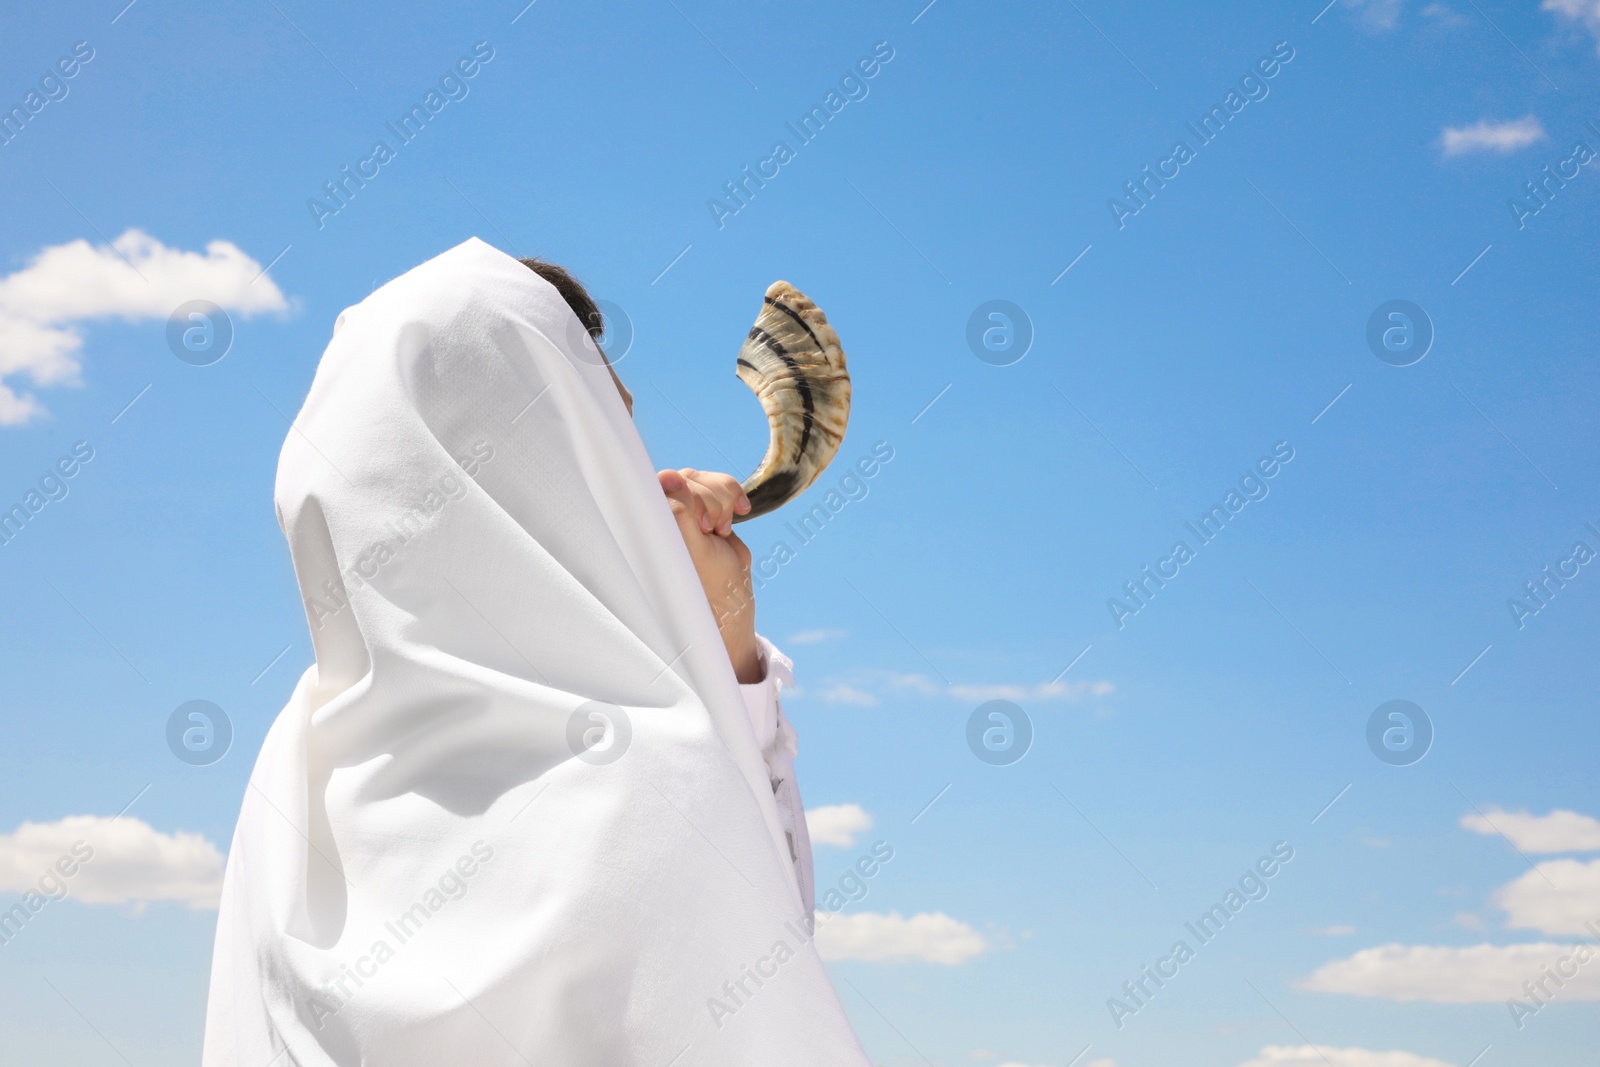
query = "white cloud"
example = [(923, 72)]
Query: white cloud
[(849, 694), (1040, 691), (1557, 897), (1584, 11), (876, 938), (1488, 136), (1336, 930), (1376, 15), (870, 687), (1476, 974), (135, 277), (1559, 831), (119, 861), (816, 637), (1324, 1056), (837, 824), (1445, 16), (916, 683)]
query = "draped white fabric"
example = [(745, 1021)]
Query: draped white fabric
[(515, 813)]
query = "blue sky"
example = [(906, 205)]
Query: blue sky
[(1173, 347)]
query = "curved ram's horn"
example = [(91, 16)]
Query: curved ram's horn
[(792, 361)]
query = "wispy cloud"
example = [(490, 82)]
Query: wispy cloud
[(1585, 13), (1327, 1056), (1489, 136), (932, 937), (849, 694), (837, 824), (1559, 831), (868, 688), (1040, 691), (117, 861), (1444, 15), (43, 305), (1378, 16), (816, 637)]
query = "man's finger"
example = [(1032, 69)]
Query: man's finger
[(728, 488), (725, 498), (711, 508), (691, 510)]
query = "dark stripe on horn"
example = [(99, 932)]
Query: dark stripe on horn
[(795, 315), (770, 495), (800, 382)]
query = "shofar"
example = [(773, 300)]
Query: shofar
[(792, 361)]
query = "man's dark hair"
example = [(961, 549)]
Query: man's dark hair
[(573, 292)]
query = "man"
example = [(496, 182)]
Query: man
[(703, 504), (533, 803)]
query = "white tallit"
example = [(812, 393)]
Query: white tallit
[(424, 871)]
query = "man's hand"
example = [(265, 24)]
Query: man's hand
[(704, 505)]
